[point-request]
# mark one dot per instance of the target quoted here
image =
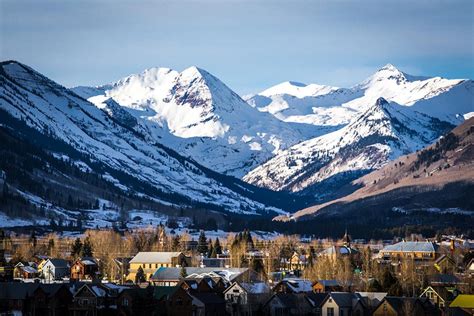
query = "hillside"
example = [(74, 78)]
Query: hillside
[(438, 178), (73, 128)]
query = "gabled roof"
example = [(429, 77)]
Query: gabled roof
[(297, 285), (227, 274), (154, 257), (59, 263), (329, 282), (441, 291), (442, 258), (343, 299), (443, 279), (256, 288), (340, 250), (411, 246), (398, 303), (208, 298), (290, 300), (317, 299)]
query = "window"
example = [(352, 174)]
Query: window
[(330, 311), (125, 302)]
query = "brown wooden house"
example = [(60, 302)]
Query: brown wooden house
[(84, 269)]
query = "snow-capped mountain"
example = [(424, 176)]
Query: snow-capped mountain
[(324, 105), (198, 115), (382, 132), (113, 137)]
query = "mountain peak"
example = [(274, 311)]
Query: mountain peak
[(381, 102), (389, 67)]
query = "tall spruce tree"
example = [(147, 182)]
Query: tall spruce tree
[(76, 248), (87, 250), (202, 243), (217, 247)]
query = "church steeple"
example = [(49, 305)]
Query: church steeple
[(346, 240)]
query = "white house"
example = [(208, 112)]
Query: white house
[(55, 269)]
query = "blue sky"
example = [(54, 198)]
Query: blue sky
[(250, 45)]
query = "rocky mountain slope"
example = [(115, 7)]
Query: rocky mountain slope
[(383, 132), (198, 115), (438, 178), (131, 159)]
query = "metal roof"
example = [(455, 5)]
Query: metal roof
[(410, 246), (154, 257)]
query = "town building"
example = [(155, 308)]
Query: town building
[(149, 262), (55, 269), (84, 269), (418, 251), (246, 298)]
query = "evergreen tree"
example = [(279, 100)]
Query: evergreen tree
[(87, 248), (50, 246), (176, 243), (257, 266), (217, 247), (182, 272), (210, 248), (202, 243), (140, 276), (33, 240), (76, 248)]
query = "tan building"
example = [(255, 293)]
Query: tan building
[(416, 250), (151, 261)]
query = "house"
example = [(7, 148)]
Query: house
[(246, 298), (419, 251), (323, 286), (191, 302), (371, 300), (93, 297), (343, 248), (55, 269), (120, 268), (84, 269), (34, 299), (151, 261), (298, 262), (440, 296), (288, 304), (445, 264), (138, 301), (463, 304), (23, 270), (344, 304), (293, 286), (182, 303), (401, 306), (50, 299), (317, 300)]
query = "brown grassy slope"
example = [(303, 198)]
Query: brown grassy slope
[(452, 165)]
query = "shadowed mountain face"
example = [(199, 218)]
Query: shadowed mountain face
[(176, 139), (110, 136), (436, 179)]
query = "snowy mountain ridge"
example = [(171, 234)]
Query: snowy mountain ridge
[(337, 106), (381, 133), (112, 136), (202, 118)]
